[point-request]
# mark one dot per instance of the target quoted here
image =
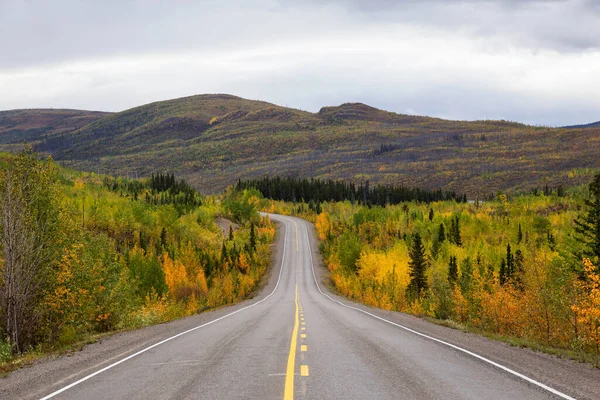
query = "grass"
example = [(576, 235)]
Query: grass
[(578, 356)]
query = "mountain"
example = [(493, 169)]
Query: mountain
[(34, 125), (212, 140), (590, 125)]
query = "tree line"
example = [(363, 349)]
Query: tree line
[(318, 191)]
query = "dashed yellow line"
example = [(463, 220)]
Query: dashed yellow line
[(304, 370), (304, 347), (303, 336), (289, 375)]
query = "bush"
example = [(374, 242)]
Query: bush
[(5, 351)]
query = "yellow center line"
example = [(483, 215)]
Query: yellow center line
[(303, 336), (289, 375), (304, 347), (304, 370)]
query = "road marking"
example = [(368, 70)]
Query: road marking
[(304, 370), (288, 393), (304, 347), (303, 336), (87, 377), (303, 328), (465, 351)]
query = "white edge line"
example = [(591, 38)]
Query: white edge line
[(85, 378), (495, 364)]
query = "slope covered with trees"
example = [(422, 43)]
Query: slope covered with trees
[(523, 268), (214, 140), (82, 254)]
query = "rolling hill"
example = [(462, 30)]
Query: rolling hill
[(212, 140)]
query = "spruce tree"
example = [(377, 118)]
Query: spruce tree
[(431, 214), (510, 263), (252, 237), (452, 271), (230, 232), (587, 225), (441, 234), (519, 234), (502, 272), (417, 267)]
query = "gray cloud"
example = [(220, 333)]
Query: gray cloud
[(528, 60)]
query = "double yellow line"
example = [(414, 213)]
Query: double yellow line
[(288, 393), (289, 375)]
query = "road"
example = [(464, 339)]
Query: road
[(297, 340)]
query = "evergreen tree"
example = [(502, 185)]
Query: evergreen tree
[(466, 275), (163, 238), (431, 214), (455, 231), (230, 232), (417, 267), (502, 272), (441, 234), (252, 237), (452, 271), (519, 234), (587, 225), (510, 263), (224, 253)]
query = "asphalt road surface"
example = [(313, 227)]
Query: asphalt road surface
[(296, 339)]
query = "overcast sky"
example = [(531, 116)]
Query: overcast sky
[(533, 61)]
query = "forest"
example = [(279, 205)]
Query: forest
[(315, 191), (520, 268), (82, 255)]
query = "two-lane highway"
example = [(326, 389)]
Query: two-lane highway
[(298, 340)]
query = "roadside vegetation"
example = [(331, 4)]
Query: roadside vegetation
[(522, 268), (83, 255)]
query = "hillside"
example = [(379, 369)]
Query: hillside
[(590, 125), (34, 125), (212, 140)]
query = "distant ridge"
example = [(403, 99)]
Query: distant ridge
[(590, 125), (213, 140)]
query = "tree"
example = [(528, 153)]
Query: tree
[(252, 237), (441, 234), (587, 225), (431, 214), (452, 271), (417, 267), (28, 225), (455, 232), (230, 233), (519, 234), (406, 210)]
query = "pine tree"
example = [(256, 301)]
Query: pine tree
[(455, 232), (417, 267), (441, 234), (510, 263), (519, 234), (230, 232), (587, 225), (431, 214), (452, 271), (163, 238), (502, 272), (252, 237)]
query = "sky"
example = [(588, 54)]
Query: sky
[(532, 61)]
